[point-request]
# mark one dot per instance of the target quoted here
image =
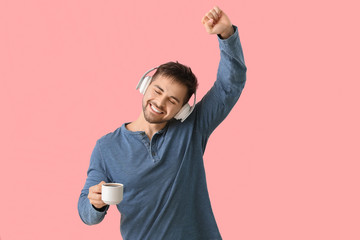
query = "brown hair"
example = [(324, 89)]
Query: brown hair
[(181, 74)]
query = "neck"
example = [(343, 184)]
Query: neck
[(140, 124)]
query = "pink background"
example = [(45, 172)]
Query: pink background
[(283, 165)]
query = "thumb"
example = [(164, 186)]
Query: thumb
[(101, 183), (210, 23)]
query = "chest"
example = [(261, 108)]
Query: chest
[(137, 161)]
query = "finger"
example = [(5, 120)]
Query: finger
[(97, 188), (214, 13), (91, 189), (210, 15), (101, 183), (204, 19), (97, 203), (94, 196), (210, 24), (218, 10), (93, 200)]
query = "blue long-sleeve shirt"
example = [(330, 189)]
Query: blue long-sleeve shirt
[(165, 191)]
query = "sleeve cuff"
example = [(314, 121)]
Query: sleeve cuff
[(103, 209), (235, 29)]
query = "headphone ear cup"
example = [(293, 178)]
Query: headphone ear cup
[(183, 113), (144, 81), (144, 84)]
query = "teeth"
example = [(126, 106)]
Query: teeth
[(153, 108)]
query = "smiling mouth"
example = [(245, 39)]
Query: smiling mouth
[(155, 109)]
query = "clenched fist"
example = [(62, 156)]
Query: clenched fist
[(217, 22), (95, 195)]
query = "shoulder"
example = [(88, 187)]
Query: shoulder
[(110, 137)]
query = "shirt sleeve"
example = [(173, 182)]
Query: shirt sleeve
[(95, 174), (230, 81)]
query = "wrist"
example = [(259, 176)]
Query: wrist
[(227, 33)]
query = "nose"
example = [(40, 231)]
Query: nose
[(162, 101)]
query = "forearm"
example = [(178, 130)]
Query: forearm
[(88, 214), (231, 76), (95, 174)]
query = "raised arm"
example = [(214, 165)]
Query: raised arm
[(231, 75)]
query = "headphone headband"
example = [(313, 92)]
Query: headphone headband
[(141, 80)]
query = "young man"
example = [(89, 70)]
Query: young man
[(159, 159)]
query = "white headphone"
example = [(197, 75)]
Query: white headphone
[(184, 112)]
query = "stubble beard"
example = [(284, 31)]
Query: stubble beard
[(148, 117)]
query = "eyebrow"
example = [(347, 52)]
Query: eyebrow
[(170, 96)]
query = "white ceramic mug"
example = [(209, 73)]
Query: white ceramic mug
[(112, 193)]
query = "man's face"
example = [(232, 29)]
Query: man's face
[(163, 99)]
